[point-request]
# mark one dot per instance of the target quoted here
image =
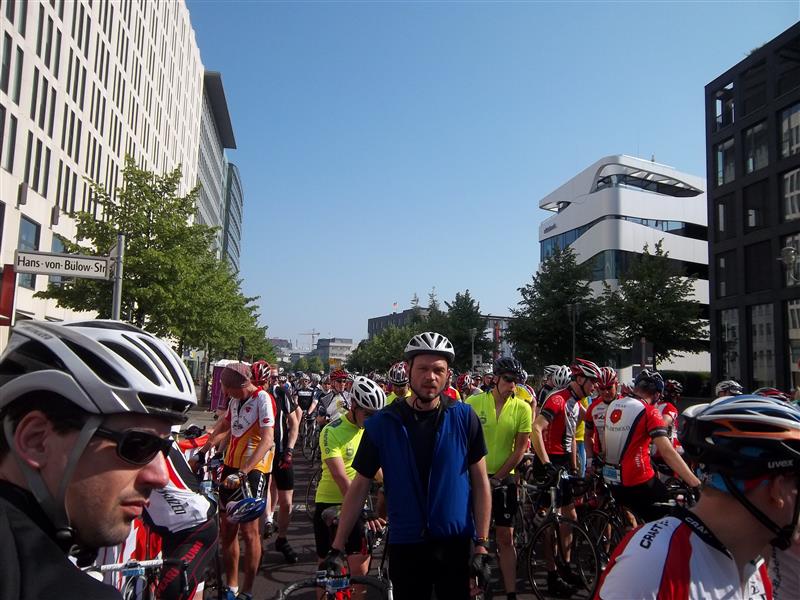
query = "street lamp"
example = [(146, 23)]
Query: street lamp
[(574, 314), (789, 259), (472, 333)]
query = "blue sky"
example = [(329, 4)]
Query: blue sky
[(390, 147)]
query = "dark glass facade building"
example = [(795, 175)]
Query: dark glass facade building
[(753, 166)]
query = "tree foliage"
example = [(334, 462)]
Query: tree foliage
[(315, 365), (541, 332), (654, 301), (464, 314), (301, 364), (174, 285)]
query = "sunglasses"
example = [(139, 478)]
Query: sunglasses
[(509, 379), (134, 446)]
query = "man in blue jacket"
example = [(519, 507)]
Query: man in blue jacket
[(431, 450)]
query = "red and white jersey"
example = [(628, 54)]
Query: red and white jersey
[(668, 409), (561, 409), (247, 418), (596, 425), (630, 425), (678, 558)]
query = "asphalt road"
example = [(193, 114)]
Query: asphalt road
[(275, 573)]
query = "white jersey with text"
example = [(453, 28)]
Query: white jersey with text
[(678, 558)]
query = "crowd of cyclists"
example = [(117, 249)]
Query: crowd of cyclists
[(95, 469)]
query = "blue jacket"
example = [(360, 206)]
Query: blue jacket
[(447, 510)]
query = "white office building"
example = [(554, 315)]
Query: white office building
[(610, 210), (82, 84)]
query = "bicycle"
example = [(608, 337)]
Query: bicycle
[(560, 542), (311, 493), (141, 577)]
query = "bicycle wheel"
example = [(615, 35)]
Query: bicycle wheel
[(308, 589), (311, 492), (606, 532), (308, 442), (565, 545)]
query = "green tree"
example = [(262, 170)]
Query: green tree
[(654, 301), (541, 332), (463, 314), (384, 349), (174, 286), (301, 364), (315, 365), (436, 320)]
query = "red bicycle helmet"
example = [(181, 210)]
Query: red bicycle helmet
[(608, 377), (464, 380), (261, 372), (585, 368), (770, 392), (340, 375)]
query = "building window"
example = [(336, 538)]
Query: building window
[(28, 240), (729, 344), (793, 331), (756, 155), (5, 67), (726, 274), (791, 195), (788, 71), (754, 88), (724, 217), (756, 205), (791, 276), (762, 344), (790, 131), (9, 145), (57, 247), (723, 108), (725, 162), (758, 271)]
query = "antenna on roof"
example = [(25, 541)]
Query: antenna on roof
[(652, 158)]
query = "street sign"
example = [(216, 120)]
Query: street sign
[(66, 265)]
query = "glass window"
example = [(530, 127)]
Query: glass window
[(725, 162), (58, 247), (793, 330), (788, 67), (755, 148), (28, 240), (5, 67), (726, 274), (791, 276), (791, 195), (9, 144), (23, 17), (762, 343), (724, 106), (758, 266), (730, 350), (756, 205), (790, 131), (15, 90), (724, 217), (754, 88)]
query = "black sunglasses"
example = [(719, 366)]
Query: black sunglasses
[(509, 379), (134, 446)]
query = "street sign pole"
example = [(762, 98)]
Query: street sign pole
[(116, 302)]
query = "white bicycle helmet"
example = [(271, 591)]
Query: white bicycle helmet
[(398, 374), (728, 388), (430, 342), (367, 394), (562, 377), (549, 370), (103, 368)]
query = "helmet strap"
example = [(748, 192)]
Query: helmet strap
[(783, 535), (54, 506)]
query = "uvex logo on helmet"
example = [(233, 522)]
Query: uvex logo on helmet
[(615, 415)]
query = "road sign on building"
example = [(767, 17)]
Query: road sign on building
[(65, 265)]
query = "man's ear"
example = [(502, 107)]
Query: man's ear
[(783, 489), (31, 439)]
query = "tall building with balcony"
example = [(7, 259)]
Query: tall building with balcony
[(610, 210), (82, 84), (234, 211), (216, 135), (753, 163)]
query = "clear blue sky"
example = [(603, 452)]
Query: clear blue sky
[(389, 147)]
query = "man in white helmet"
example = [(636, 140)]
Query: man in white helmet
[(432, 453), (86, 410)]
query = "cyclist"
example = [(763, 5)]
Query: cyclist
[(304, 395), (431, 451), (86, 409), (771, 392), (595, 418), (449, 390), (553, 438), (338, 442), (321, 390), (488, 377), (669, 413), (630, 427), (547, 382), (506, 422), (249, 422), (336, 402), (728, 388), (749, 447), (398, 377)]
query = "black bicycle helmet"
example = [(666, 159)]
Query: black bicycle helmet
[(507, 364)]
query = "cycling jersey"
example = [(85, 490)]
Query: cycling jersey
[(679, 558), (334, 404), (630, 425), (525, 393), (339, 438), (284, 406), (500, 431), (596, 424), (784, 572), (246, 418), (392, 397), (452, 393), (561, 411), (304, 398)]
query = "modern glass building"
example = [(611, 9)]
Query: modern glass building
[(610, 210), (234, 209), (753, 162)]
